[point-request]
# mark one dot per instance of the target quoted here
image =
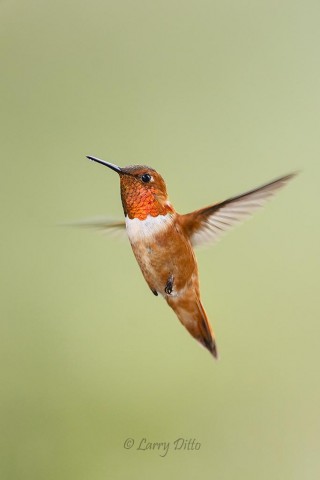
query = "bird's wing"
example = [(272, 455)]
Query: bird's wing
[(207, 225), (105, 224)]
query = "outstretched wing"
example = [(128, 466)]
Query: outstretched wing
[(207, 225), (104, 224)]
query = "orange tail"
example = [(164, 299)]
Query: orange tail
[(207, 337), (193, 317)]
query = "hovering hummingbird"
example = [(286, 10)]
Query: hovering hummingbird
[(162, 240)]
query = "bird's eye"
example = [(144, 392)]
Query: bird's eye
[(146, 178)]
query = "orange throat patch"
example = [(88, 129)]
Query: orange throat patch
[(141, 202)]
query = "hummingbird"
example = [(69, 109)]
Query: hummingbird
[(163, 240)]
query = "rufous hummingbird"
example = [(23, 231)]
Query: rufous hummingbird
[(162, 240)]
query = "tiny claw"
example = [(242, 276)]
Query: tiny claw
[(169, 286)]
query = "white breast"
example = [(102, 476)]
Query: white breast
[(143, 229)]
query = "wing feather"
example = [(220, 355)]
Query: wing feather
[(105, 224), (206, 226)]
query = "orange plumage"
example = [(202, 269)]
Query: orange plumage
[(162, 240)]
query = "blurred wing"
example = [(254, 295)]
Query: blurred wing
[(207, 225), (105, 224)]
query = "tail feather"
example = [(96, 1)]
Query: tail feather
[(194, 318), (206, 332)]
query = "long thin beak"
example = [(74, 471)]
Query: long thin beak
[(107, 164)]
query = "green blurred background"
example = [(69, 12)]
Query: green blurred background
[(219, 97)]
